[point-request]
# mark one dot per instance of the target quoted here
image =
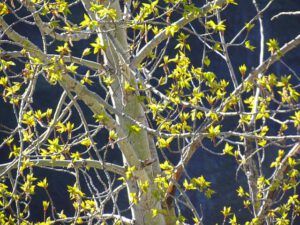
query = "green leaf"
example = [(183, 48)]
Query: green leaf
[(273, 45), (214, 131), (171, 30), (249, 46), (216, 26), (135, 128)]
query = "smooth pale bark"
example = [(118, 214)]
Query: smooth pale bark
[(116, 56)]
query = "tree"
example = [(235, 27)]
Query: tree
[(152, 104)]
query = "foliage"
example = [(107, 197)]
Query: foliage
[(135, 89)]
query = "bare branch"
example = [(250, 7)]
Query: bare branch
[(296, 13), (67, 164)]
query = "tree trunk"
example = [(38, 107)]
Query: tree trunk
[(116, 56)]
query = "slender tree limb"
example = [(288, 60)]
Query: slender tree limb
[(250, 167), (68, 163), (296, 13), (83, 62)]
